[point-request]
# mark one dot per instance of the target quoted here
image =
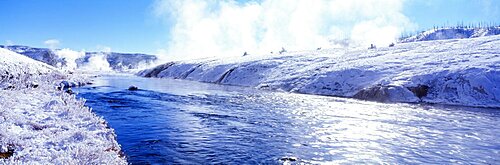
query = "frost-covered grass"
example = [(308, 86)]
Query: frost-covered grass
[(42, 125), (47, 127), (456, 72)]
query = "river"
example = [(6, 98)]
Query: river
[(177, 121)]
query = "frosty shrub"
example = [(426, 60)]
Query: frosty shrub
[(40, 124)]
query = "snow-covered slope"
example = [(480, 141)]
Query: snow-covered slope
[(42, 125), (40, 54), (458, 72), (14, 65), (453, 33)]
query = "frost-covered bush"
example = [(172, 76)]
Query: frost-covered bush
[(40, 124), (54, 127)]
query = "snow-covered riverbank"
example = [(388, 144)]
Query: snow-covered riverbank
[(456, 72), (42, 125)]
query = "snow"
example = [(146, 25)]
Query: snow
[(453, 33), (39, 54), (42, 125), (456, 72), (15, 64)]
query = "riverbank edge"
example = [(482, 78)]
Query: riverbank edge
[(42, 122), (79, 136)]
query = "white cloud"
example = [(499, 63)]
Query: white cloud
[(103, 49), (9, 43), (52, 43), (228, 28)]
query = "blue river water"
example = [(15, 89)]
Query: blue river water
[(176, 121)]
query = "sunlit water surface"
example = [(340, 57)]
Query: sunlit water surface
[(176, 121)]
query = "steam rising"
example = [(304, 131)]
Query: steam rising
[(228, 28), (98, 61), (69, 56)]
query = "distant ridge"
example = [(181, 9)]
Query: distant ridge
[(452, 33), (117, 61)]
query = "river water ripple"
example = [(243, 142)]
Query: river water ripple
[(176, 121)]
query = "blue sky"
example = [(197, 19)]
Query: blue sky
[(131, 26), (427, 13), (82, 24)]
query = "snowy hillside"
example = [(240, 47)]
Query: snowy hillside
[(457, 72), (42, 125), (110, 60), (40, 54), (15, 65), (453, 33)]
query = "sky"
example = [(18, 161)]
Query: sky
[(193, 28)]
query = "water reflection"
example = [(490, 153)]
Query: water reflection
[(169, 121)]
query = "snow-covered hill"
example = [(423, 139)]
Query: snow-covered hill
[(110, 60), (14, 65), (457, 72), (453, 33), (42, 125)]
